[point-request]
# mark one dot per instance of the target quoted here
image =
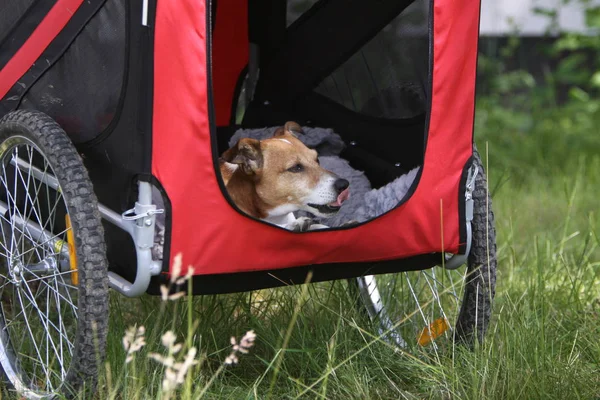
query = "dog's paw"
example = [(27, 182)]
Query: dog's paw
[(301, 224)]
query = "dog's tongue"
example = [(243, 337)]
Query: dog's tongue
[(342, 197)]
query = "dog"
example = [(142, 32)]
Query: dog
[(270, 179)]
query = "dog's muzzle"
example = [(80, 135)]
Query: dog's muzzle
[(341, 187)]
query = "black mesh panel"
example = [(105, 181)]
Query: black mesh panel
[(387, 77), (12, 11), (82, 90)]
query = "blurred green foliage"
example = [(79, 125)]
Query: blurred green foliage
[(544, 125)]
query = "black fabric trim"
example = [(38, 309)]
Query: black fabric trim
[(429, 87), (146, 91), (23, 28), (317, 44), (246, 281), (51, 55)]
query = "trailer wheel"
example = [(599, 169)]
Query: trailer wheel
[(53, 268), (421, 308)]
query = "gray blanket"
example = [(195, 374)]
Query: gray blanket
[(325, 141)]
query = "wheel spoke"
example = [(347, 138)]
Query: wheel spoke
[(37, 278), (20, 230), (50, 220), (3, 243), (28, 197), (16, 208), (436, 295), (452, 283), (59, 329), (14, 318), (12, 198), (48, 334), (26, 218), (47, 324), (45, 242), (42, 280), (448, 289), (9, 201), (418, 304), (37, 350), (62, 282)]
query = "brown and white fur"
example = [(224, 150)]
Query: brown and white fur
[(271, 179)]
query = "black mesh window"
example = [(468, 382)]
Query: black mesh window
[(12, 11), (387, 77), (82, 90)]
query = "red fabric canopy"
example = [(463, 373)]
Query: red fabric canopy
[(214, 238)]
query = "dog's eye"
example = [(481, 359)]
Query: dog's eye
[(297, 168)]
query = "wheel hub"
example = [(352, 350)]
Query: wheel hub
[(16, 272)]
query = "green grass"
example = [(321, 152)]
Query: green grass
[(312, 343)]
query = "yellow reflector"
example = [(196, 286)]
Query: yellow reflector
[(433, 331), (72, 253), (58, 245)]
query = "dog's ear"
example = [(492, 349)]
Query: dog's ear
[(290, 128), (247, 154)]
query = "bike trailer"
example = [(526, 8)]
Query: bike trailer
[(114, 115)]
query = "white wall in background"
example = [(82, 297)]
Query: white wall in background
[(496, 16)]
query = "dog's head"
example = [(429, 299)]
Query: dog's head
[(286, 174)]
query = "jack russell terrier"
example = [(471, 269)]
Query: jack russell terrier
[(271, 179)]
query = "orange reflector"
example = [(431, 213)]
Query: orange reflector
[(72, 253), (433, 331)]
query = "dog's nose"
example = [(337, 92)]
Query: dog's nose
[(340, 185)]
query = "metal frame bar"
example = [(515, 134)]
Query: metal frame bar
[(36, 232), (138, 222)]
